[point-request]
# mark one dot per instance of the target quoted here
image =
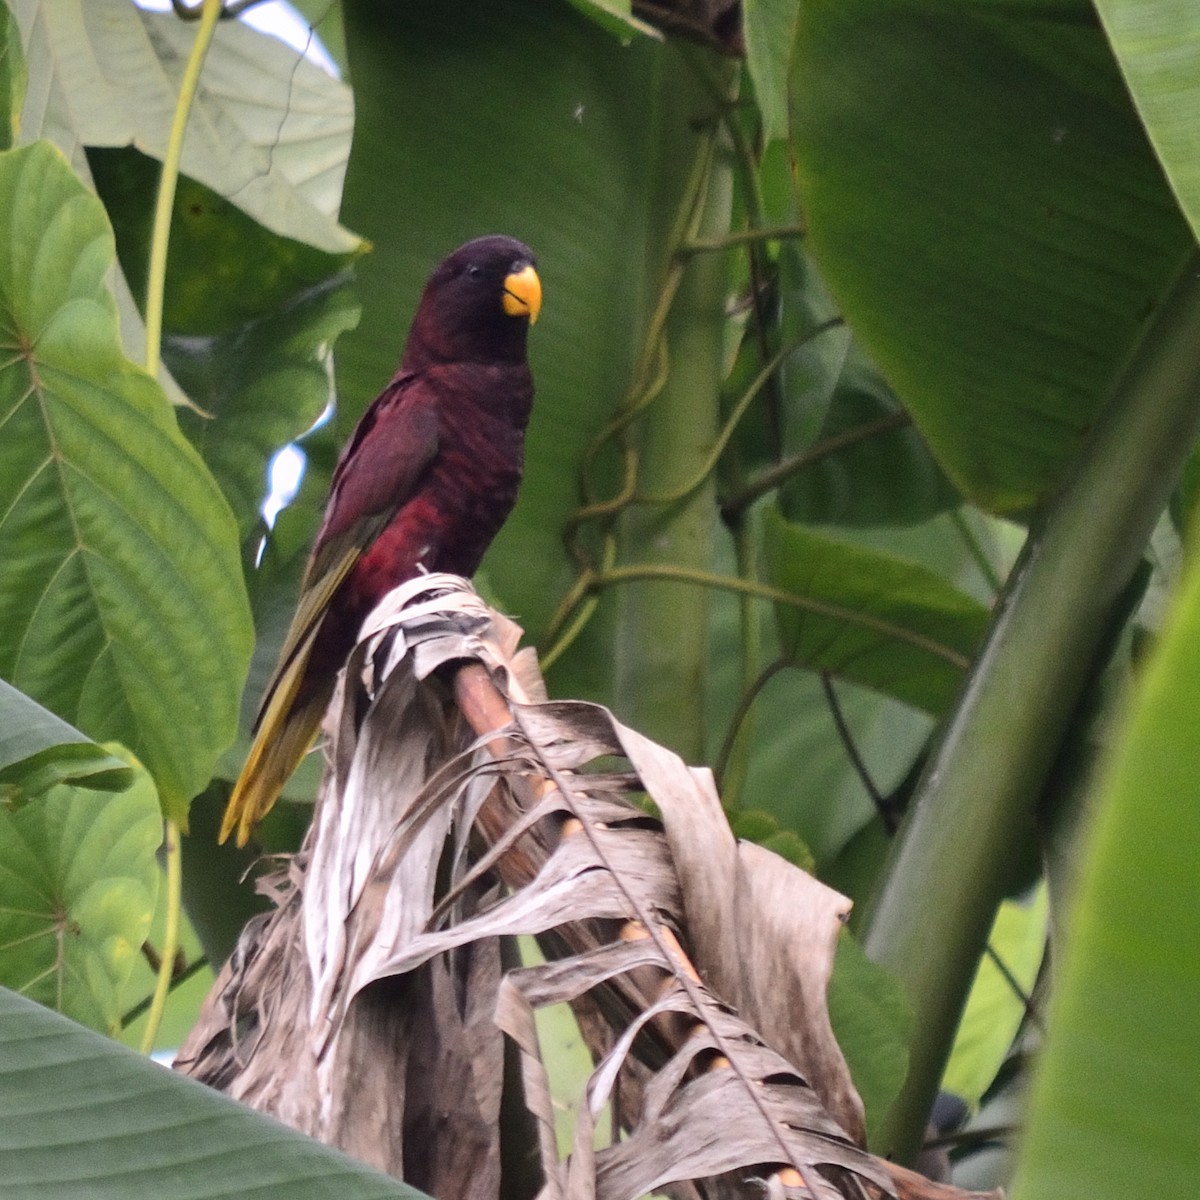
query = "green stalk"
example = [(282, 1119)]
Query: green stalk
[(975, 803), (733, 761), (155, 290), (170, 945), (165, 204), (662, 639)]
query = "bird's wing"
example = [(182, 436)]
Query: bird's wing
[(378, 470)]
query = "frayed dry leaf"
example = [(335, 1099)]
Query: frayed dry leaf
[(458, 809)]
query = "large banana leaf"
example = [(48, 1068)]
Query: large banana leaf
[(1113, 1111), (1157, 45), (987, 211), (83, 1116)]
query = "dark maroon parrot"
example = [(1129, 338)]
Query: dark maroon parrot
[(425, 482)]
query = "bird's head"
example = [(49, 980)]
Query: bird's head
[(478, 305)]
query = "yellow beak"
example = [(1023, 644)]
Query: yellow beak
[(523, 294)]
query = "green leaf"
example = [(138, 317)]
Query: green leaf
[(268, 129), (77, 885), (13, 77), (83, 1116), (871, 1021), (994, 1011), (969, 174), (809, 375), (125, 611), (770, 31), (871, 617), (757, 826), (796, 765), (800, 773), (38, 750), (325, 22), (1157, 44), (888, 476), (1119, 1081)]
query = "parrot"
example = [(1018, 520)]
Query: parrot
[(424, 483)]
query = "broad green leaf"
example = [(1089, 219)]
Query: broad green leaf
[(769, 27), (871, 617), (984, 206), (808, 375), (83, 1116), (994, 1011), (268, 129), (888, 476), (120, 580), (77, 885), (13, 77), (854, 870), (264, 385), (871, 1021), (802, 775), (1113, 1105), (38, 750), (590, 174), (1157, 44), (249, 321)]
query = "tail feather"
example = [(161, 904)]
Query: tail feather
[(285, 733)]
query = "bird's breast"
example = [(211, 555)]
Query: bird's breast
[(468, 490)]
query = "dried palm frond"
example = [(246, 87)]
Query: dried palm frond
[(460, 808)]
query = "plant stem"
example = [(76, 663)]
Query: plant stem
[(155, 291), (661, 651), (743, 237), (170, 946), (640, 572), (161, 233), (707, 466), (950, 864), (735, 752), (190, 971)]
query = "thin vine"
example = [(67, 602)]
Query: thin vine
[(210, 13)]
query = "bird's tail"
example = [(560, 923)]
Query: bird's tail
[(285, 732)]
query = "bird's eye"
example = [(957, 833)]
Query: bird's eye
[(474, 271)]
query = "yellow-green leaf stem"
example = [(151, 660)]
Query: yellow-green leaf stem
[(750, 587), (155, 291), (161, 233), (170, 945), (708, 465)]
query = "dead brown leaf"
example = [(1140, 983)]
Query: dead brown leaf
[(460, 808)]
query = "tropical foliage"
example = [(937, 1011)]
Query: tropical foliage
[(841, 310)]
